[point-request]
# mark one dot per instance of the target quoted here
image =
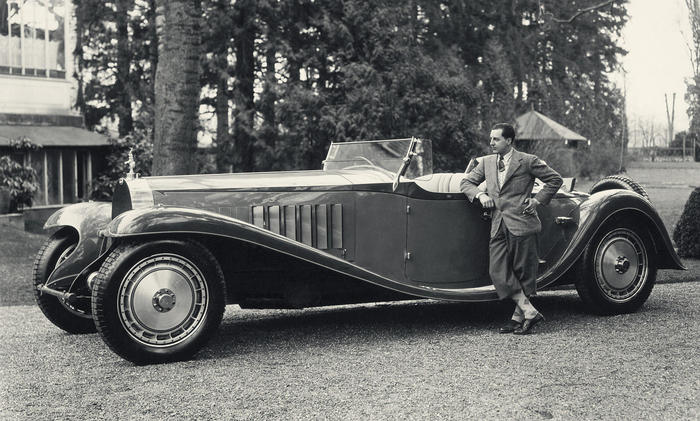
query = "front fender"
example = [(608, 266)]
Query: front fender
[(164, 220), (87, 219), (600, 208)]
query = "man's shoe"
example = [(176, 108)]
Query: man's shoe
[(528, 324), (510, 326)]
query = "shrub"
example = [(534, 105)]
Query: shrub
[(687, 231), (554, 153), (599, 159), (20, 180)]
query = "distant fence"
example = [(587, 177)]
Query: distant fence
[(656, 154)]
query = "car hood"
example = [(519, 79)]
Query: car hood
[(266, 180), (147, 191)]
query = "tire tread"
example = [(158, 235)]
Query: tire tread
[(619, 182), (50, 305)]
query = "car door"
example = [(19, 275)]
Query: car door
[(447, 242)]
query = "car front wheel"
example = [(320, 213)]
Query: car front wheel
[(617, 271), (158, 301), (73, 318)]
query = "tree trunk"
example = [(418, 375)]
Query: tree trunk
[(294, 39), (177, 86), (244, 113), (153, 46), (269, 96), (224, 154), (122, 85)]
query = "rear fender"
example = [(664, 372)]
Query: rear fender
[(86, 219), (602, 208)]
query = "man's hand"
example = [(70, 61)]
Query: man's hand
[(486, 201), (531, 206)]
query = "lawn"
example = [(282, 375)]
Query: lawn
[(17, 251), (668, 184)]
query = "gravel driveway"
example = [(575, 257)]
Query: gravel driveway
[(410, 360)]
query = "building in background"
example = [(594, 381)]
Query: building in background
[(37, 93)]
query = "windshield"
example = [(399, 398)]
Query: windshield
[(380, 155)]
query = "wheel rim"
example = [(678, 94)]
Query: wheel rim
[(621, 265), (163, 300)]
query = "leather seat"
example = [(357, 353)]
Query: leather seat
[(446, 182)]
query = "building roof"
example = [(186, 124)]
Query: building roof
[(52, 135), (536, 126)]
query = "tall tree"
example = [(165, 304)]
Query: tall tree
[(122, 85), (243, 96), (217, 47), (177, 86), (116, 59), (692, 95)]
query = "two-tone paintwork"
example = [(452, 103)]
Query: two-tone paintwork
[(86, 220), (417, 242)]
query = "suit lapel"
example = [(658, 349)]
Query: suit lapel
[(513, 166)]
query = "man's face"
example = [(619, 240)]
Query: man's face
[(498, 143)]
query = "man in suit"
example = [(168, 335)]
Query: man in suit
[(513, 261)]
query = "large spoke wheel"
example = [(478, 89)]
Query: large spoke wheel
[(158, 301), (72, 318), (617, 271)]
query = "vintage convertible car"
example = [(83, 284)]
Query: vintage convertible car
[(153, 270)]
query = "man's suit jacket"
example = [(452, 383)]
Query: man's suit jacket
[(510, 198)]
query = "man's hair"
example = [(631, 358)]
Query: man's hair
[(507, 131)]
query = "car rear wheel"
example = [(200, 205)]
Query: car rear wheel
[(69, 317), (619, 182), (617, 270), (158, 301)]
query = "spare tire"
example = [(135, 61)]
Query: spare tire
[(619, 182)]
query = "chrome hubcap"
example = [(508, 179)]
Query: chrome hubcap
[(621, 265), (163, 300)]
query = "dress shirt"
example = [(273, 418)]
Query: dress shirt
[(506, 162)]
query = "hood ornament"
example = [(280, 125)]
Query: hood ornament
[(131, 175)]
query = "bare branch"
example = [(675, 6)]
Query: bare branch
[(694, 48), (580, 12)]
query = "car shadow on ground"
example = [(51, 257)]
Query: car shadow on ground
[(244, 331)]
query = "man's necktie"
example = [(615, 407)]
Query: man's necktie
[(501, 164)]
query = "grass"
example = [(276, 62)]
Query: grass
[(17, 251), (668, 186)]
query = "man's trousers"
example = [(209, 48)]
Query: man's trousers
[(513, 262)]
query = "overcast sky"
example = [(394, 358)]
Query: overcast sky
[(658, 60)]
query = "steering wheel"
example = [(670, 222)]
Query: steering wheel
[(370, 167), (365, 159)]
